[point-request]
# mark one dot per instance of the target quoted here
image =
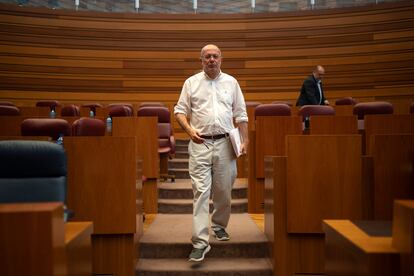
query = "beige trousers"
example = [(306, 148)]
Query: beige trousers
[(212, 170)]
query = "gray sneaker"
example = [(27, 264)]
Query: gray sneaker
[(197, 254), (221, 235)]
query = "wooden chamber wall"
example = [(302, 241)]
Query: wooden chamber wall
[(77, 57)]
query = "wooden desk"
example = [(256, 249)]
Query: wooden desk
[(35, 111), (145, 130), (10, 125), (319, 177), (270, 137), (104, 186), (343, 110), (392, 176), (387, 124), (323, 180), (38, 227), (371, 247), (78, 248), (34, 240), (250, 109), (35, 138), (333, 124), (351, 251)]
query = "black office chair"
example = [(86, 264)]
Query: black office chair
[(32, 171)]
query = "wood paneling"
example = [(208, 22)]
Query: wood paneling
[(102, 175), (343, 110), (386, 124), (22, 254), (145, 131), (78, 247), (34, 240), (114, 254), (323, 181), (393, 176), (10, 125), (75, 57), (242, 166), (255, 186), (150, 196), (402, 226), (270, 137), (333, 125), (290, 253), (105, 186), (295, 208)]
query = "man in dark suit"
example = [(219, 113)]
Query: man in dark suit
[(311, 92)]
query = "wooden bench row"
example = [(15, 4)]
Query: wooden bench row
[(104, 186), (326, 177)]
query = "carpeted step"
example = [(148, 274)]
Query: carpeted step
[(181, 147), (210, 266), (182, 142), (178, 163), (182, 189), (169, 237), (182, 154), (180, 173), (185, 206)]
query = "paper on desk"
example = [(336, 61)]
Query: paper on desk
[(235, 140)]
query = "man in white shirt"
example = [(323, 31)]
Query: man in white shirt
[(211, 99)]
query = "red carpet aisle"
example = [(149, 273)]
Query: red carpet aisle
[(165, 246)]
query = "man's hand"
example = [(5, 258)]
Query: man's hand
[(195, 136), (243, 148), (326, 102), (193, 133)]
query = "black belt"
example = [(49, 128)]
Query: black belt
[(214, 137)]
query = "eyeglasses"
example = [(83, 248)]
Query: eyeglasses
[(214, 56)]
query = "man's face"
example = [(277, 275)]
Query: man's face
[(211, 59), (319, 73)]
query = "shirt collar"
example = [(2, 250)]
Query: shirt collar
[(207, 77)]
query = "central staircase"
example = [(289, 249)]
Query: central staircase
[(166, 244), (178, 166)]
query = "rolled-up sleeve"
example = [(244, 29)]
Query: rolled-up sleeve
[(239, 107), (183, 104)]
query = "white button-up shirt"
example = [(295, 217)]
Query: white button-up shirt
[(212, 104), (318, 82)]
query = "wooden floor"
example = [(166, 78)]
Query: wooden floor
[(257, 218)]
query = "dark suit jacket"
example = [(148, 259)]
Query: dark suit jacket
[(309, 93)]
